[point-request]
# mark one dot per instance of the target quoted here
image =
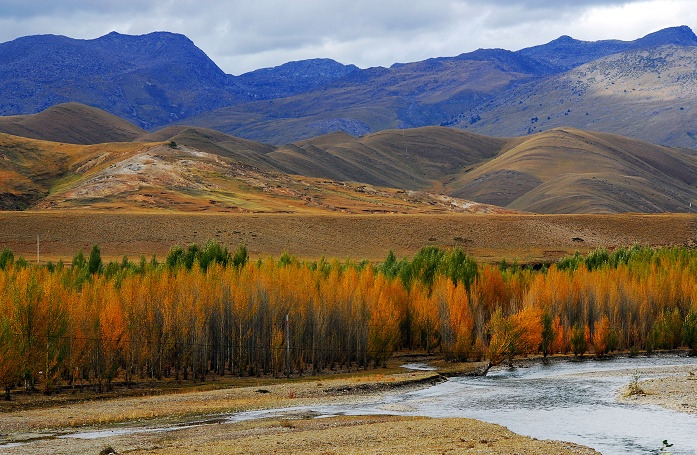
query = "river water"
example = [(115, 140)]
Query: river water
[(568, 401)]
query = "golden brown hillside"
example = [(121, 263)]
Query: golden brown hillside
[(31, 169), (172, 177), (73, 123), (566, 170), (563, 170), (416, 158)]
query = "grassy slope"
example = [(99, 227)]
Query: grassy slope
[(416, 158), (571, 171), (240, 150), (72, 123), (156, 176)]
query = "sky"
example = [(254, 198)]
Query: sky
[(244, 35)]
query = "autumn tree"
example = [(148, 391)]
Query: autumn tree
[(513, 335), (9, 357), (547, 334), (579, 343), (689, 332), (604, 337)]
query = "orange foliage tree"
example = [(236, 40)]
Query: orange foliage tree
[(206, 312)]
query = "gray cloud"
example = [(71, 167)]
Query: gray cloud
[(243, 35)]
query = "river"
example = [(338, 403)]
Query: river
[(572, 401), (568, 401)]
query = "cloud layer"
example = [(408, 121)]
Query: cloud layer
[(242, 36)]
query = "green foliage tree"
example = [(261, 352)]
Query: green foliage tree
[(286, 259), (175, 257), (460, 268), (191, 256), (213, 253), (240, 257), (6, 258), (94, 265), (689, 331), (579, 344), (570, 263), (547, 334), (79, 262), (597, 259), (426, 264), (390, 267)]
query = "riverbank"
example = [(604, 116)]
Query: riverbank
[(193, 417), (161, 424), (678, 391)]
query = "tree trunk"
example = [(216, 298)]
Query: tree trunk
[(7, 393)]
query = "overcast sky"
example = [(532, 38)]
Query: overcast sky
[(243, 35)]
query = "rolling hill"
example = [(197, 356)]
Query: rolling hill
[(419, 158), (565, 170), (73, 123), (165, 176), (562, 170)]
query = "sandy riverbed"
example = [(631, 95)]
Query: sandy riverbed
[(678, 391), (46, 426), (295, 433)]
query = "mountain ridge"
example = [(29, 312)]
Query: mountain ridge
[(647, 94), (162, 78)]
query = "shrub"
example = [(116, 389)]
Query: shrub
[(6, 258)]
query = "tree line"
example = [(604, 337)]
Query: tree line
[(207, 311)]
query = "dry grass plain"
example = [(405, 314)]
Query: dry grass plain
[(489, 238)]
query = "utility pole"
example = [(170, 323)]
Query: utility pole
[(287, 347), (37, 249)]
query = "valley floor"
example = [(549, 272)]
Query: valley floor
[(489, 238)]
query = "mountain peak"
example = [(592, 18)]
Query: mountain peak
[(564, 39), (114, 35), (294, 77), (681, 35)]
